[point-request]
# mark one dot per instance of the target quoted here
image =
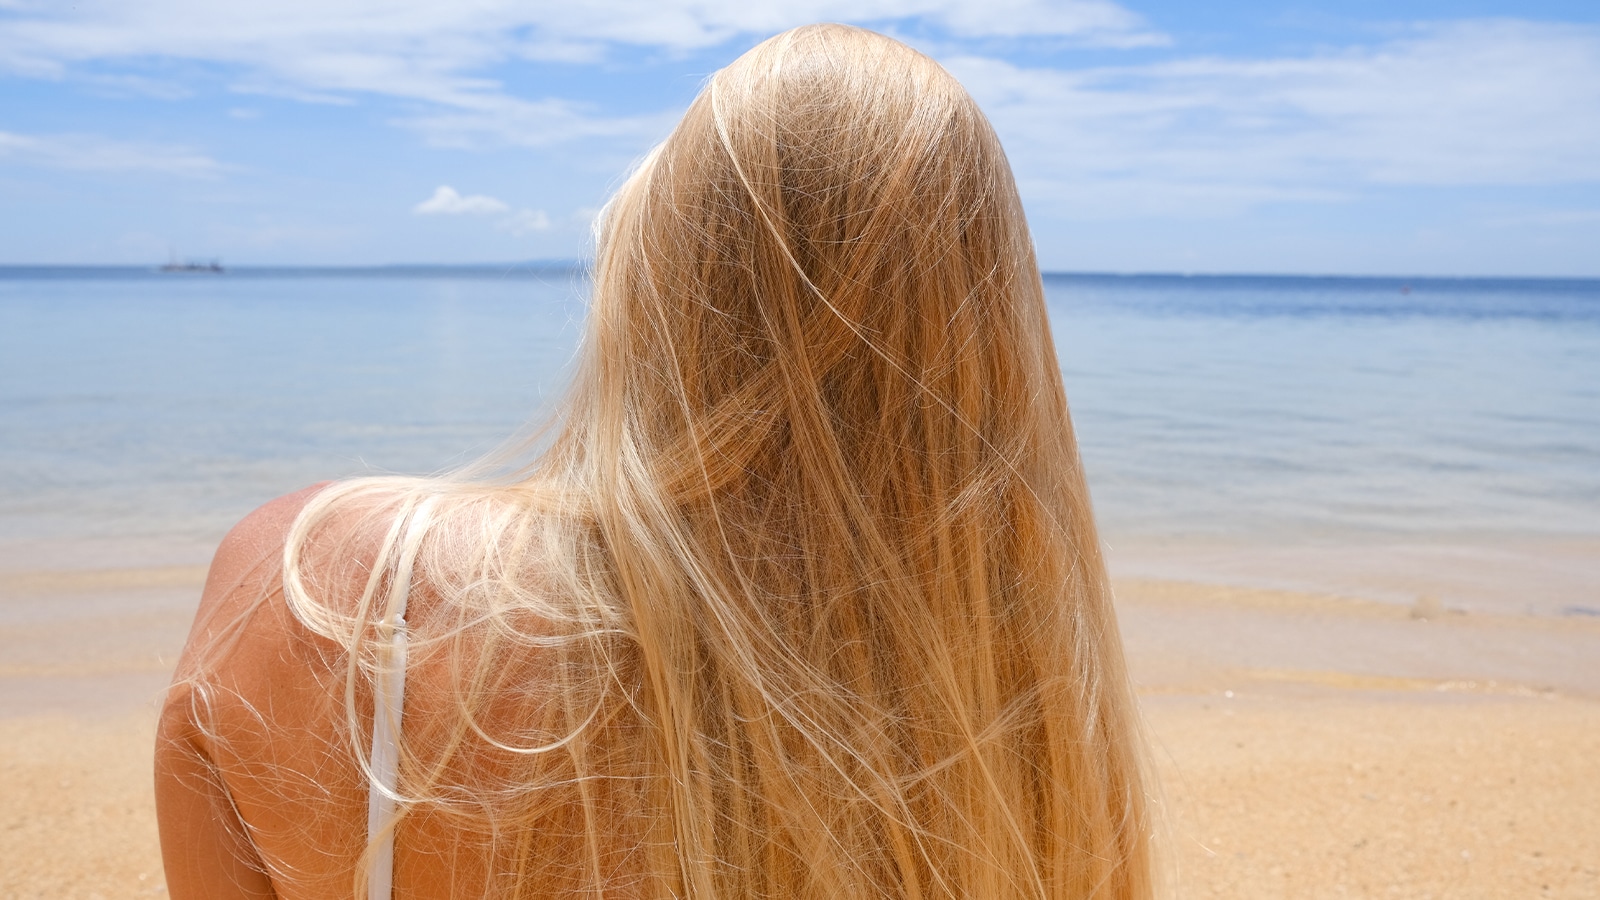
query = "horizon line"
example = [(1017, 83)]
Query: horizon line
[(553, 266)]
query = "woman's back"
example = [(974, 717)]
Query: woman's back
[(805, 598)]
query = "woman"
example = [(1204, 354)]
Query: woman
[(804, 599)]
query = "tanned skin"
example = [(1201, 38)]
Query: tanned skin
[(204, 846), (259, 792)]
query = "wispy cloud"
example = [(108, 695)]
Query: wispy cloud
[(87, 152), (1466, 103), (692, 25), (438, 53), (526, 221), (130, 85), (500, 120), (1474, 103)]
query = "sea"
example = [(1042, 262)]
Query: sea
[(1392, 439)]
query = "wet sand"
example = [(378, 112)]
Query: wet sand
[(1308, 745)]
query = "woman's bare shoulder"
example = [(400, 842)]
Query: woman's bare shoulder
[(251, 707), (252, 674), (252, 550), (237, 622), (343, 537)]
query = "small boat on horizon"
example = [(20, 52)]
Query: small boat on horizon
[(193, 266)]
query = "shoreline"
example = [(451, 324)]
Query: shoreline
[(1551, 576)]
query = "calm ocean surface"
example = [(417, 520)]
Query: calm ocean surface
[(1227, 422)]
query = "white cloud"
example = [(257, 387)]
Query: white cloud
[(1466, 103), (498, 119), (1475, 103), (446, 201), (87, 152), (435, 53), (127, 85), (1106, 24), (692, 25), (362, 45)]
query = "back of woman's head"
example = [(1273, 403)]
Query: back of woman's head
[(837, 495), (827, 251), (817, 605)]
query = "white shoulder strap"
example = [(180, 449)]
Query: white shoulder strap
[(388, 704)]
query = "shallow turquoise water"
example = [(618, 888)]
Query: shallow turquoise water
[(140, 415)]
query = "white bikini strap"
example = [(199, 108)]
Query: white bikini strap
[(388, 703)]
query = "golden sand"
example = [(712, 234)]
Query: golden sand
[(1308, 746), (1349, 793)]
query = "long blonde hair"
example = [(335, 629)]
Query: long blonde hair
[(804, 598)]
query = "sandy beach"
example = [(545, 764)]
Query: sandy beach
[(1308, 745)]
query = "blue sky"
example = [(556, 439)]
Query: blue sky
[(1358, 137)]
